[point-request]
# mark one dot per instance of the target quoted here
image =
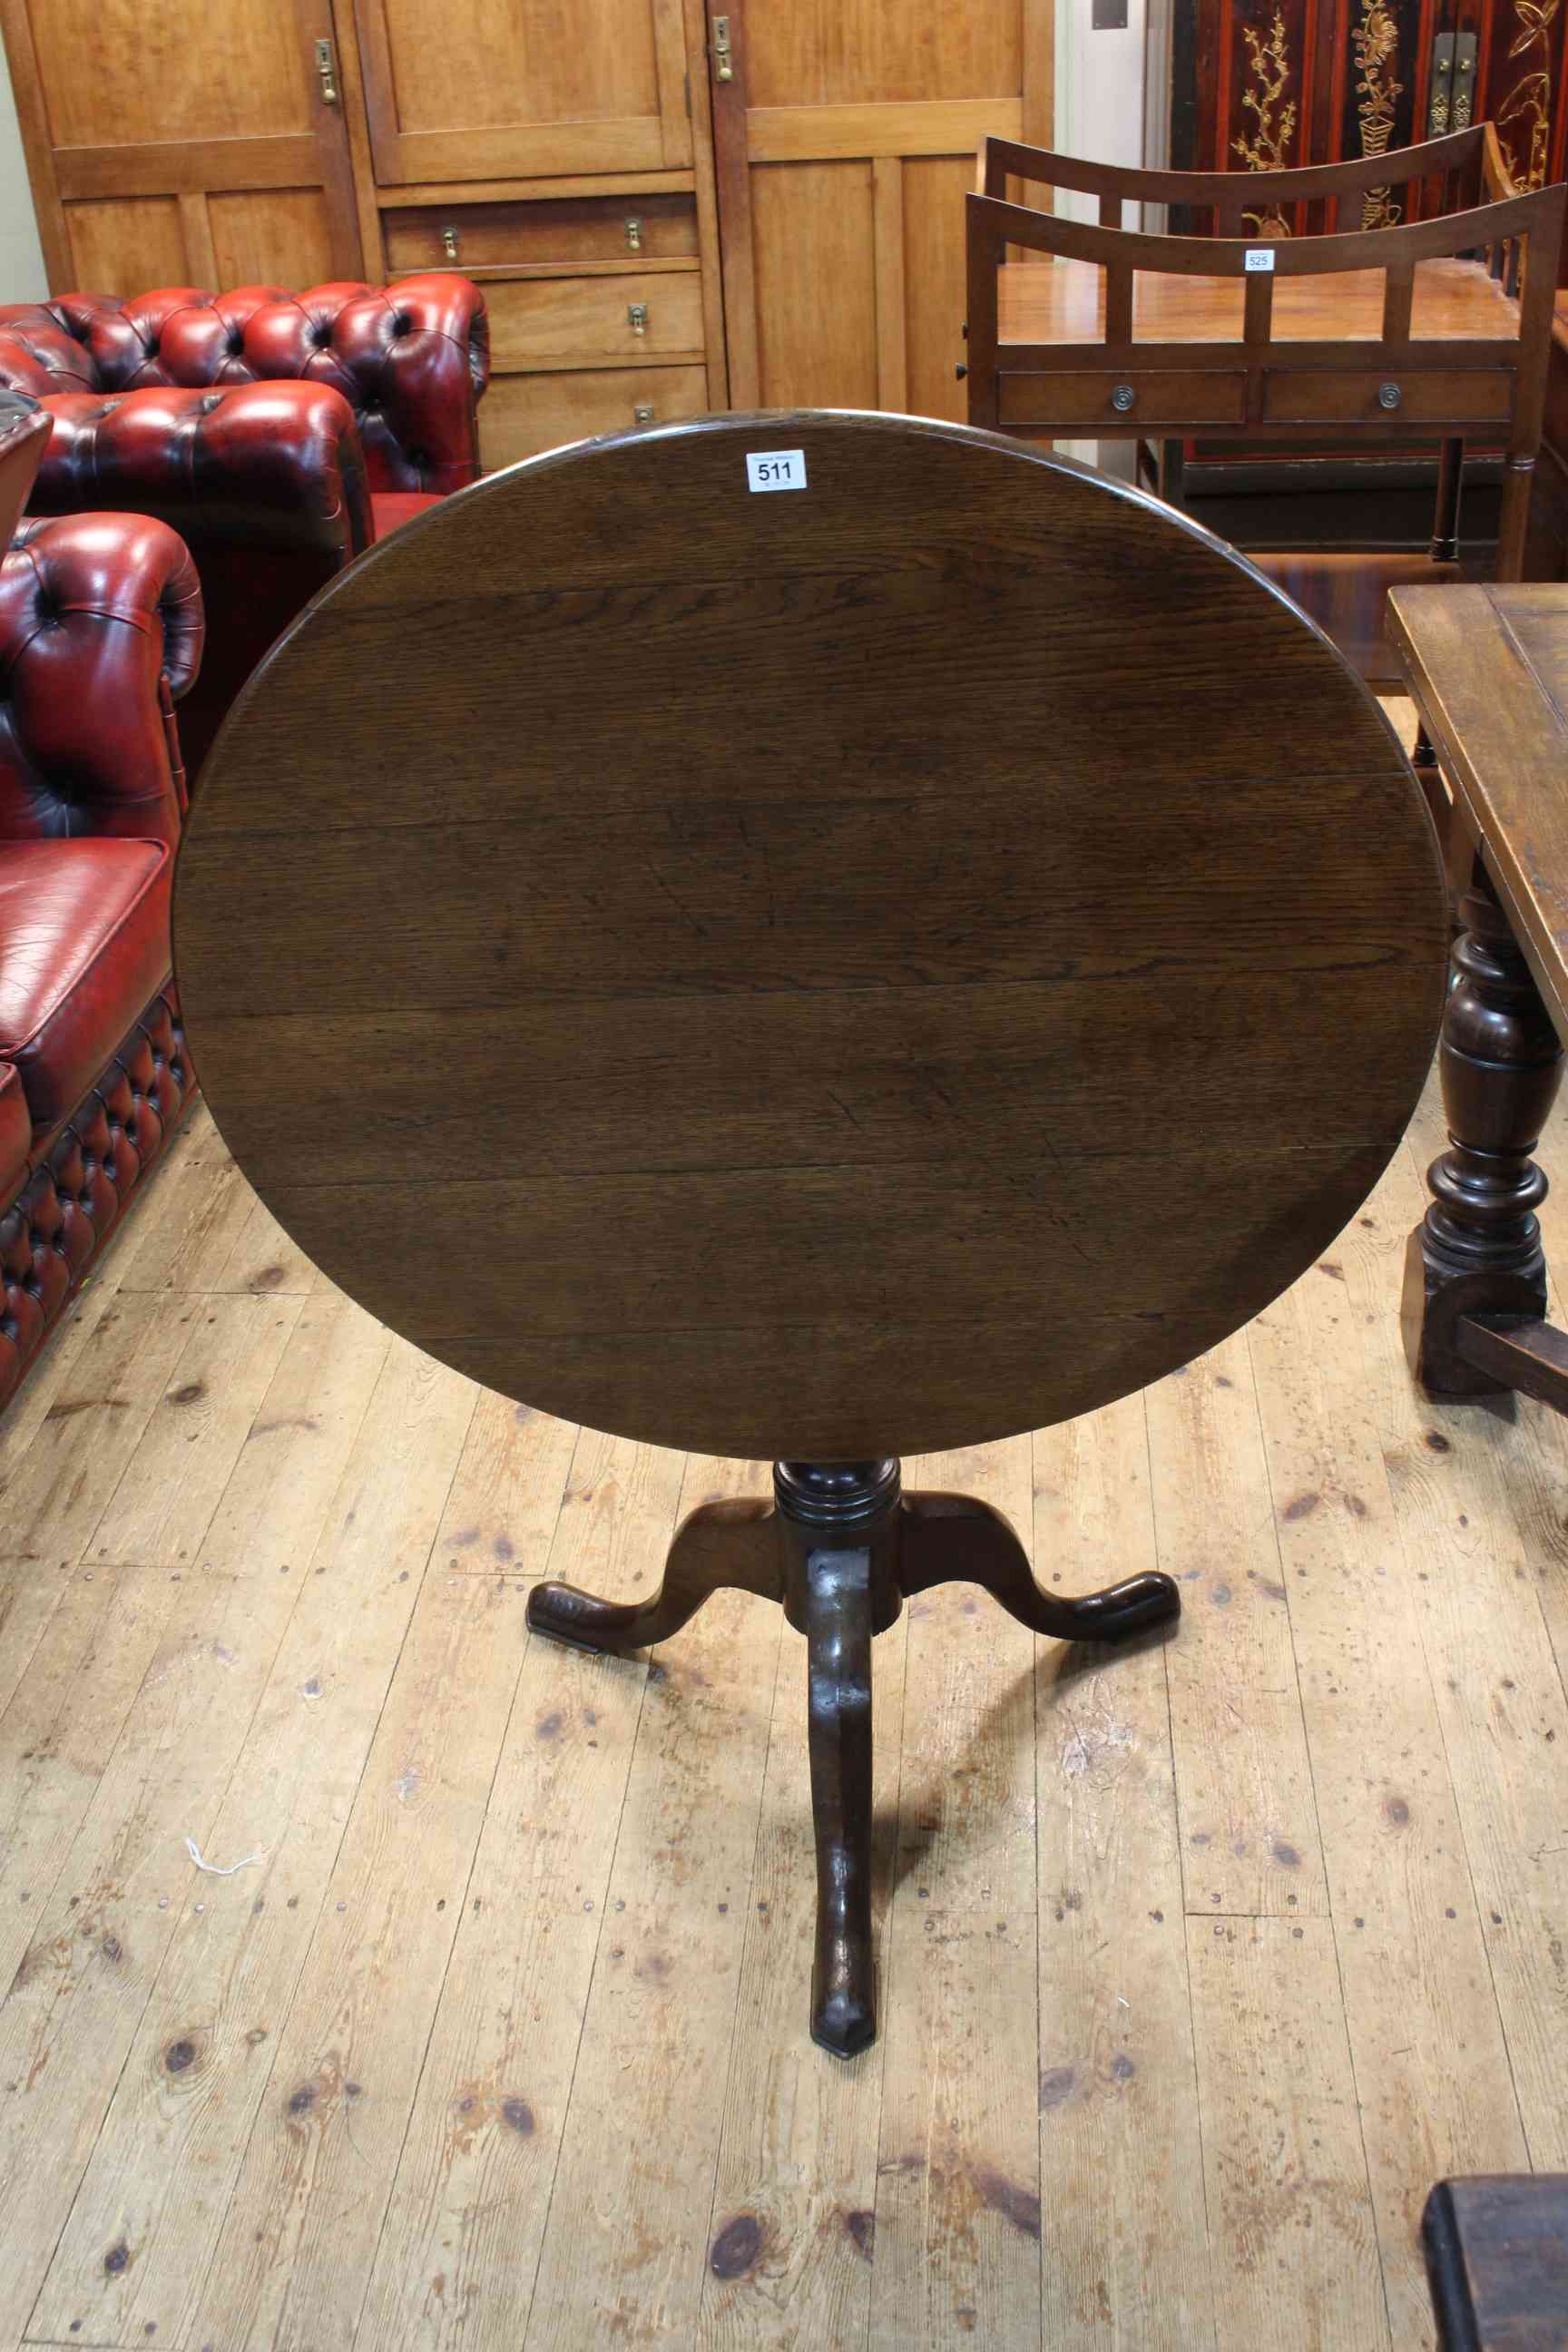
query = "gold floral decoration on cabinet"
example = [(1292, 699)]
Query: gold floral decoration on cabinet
[(1524, 118), (1376, 44), (1266, 149)]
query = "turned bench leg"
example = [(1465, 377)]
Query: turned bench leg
[(1445, 520), (1513, 519), (1478, 1249)]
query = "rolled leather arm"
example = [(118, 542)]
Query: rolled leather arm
[(100, 627), (39, 353), (277, 466)]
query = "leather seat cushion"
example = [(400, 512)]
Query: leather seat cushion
[(15, 1131), (84, 946), (390, 510)]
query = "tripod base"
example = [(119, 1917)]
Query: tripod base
[(842, 1547)]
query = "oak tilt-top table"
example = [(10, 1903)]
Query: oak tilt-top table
[(821, 938)]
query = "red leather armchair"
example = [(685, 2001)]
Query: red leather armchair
[(278, 433), (100, 628)]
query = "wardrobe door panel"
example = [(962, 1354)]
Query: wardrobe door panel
[(486, 90), (160, 132), (843, 142)]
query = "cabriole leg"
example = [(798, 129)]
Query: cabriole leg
[(841, 1525)]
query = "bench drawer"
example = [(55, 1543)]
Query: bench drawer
[(1058, 399), (1357, 395)]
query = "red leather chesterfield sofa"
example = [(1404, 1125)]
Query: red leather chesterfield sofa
[(101, 627), (278, 433)]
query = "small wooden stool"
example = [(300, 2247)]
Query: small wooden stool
[(818, 937), (1497, 2262)]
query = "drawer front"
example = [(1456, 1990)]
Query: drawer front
[(1160, 396), (1355, 396), (555, 230), (522, 415), (534, 320)]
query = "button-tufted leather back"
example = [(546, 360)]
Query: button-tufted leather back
[(264, 481), (275, 465), (411, 358)]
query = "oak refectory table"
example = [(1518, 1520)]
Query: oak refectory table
[(1488, 669), (841, 937)]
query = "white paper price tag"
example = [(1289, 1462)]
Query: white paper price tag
[(775, 469), (1260, 257)]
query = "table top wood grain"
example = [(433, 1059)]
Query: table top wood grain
[(817, 974), (1489, 666)]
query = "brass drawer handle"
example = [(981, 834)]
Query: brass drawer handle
[(637, 318), (634, 234), (1389, 395), (449, 243), (1122, 397), (642, 412)]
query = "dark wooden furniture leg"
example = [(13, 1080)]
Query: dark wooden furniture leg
[(723, 1544), (1445, 521), (1513, 519), (842, 1547), (1429, 776), (1444, 550), (1477, 1251), (952, 1540), (840, 1525)]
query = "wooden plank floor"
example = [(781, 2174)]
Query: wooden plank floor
[(1198, 1964)]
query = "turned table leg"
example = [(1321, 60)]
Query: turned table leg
[(1477, 1251)]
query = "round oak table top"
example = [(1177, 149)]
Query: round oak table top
[(809, 934)]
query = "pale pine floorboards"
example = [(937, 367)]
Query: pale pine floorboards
[(1198, 1964)]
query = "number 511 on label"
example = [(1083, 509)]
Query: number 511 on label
[(775, 469)]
